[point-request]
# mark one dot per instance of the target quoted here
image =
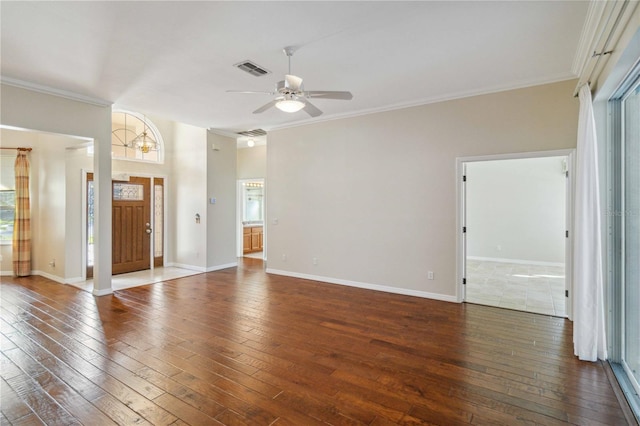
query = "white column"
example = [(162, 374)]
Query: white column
[(103, 223)]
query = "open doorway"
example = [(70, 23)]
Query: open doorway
[(515, 218), (251, 200)]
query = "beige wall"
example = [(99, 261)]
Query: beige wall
[(190, 191), (221, 216), (57, 198), (28, 109), (373, 198), (252, 162), (55, 190)]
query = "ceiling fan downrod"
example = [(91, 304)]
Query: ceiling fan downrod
[(288, 50)]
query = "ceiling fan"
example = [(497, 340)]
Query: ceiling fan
[(290, 95)]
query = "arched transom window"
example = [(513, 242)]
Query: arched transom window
[(134, 137)]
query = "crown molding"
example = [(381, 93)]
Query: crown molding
[(35, 87), (427, 101), (605, 23), (592, 22)]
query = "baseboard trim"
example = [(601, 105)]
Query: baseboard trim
[(75, 280), (367, 286), (55, 278), (219, 267), (189, 267), (517, 261), (102, 292)]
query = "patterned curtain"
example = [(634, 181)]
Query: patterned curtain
[(22, 220)]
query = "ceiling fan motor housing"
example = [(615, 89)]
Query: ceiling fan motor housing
[(283, 89)]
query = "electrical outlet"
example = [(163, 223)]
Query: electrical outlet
[(315, 260), (430, 275), (284, 257)]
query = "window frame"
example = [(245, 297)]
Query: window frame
[(154, 130)]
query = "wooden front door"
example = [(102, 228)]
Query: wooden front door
[(131, 225)]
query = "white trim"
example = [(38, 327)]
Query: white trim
[(184, 266), (219, 267), (47, 275), (51, 277), (605, 23), (83, 223), (517, 261), (518, 155), (427, 101), (460, 212), (76, 280), (103, 292), (240, 213), (587, 36), (367, 286), (461, 241), (21, 84)]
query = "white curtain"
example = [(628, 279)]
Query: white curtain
[(589, 340)]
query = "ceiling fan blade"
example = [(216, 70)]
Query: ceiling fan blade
[(265, 107), (311, 109), (251, 91), (292, 82), (326, 94)]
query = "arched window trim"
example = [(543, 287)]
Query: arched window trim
[(156, 133)]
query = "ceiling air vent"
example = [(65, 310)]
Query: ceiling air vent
[(251, 68), (253, 133)]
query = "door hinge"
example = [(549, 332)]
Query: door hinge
[(566, 234), (566, 173), (566, 293), (464, 281), (464, 229), (464, 178)]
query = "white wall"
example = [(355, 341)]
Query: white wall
[(49, 207), (55, 217), (516, 209), (28, 109), (58, 202), (252, 162), (373, 198), (221, 216), (189, 186)]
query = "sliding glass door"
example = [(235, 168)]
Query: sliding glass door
[(624, 237), (631, 233)]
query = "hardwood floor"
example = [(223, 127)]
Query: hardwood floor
[(240, 347)]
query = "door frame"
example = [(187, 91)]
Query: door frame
[(122, 176), (461, 221), (239, 218)]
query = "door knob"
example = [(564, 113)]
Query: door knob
[(148, 231)]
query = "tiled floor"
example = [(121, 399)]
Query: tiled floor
[(531, 288), (255, 255), (134, 279)]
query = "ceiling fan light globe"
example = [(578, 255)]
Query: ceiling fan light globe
[(290, 105)]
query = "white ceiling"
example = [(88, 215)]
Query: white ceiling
[(175, 59)]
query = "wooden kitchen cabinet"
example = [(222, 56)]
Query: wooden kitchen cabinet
[(252, 240)]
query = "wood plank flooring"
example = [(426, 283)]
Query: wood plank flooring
[(240, 347)]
